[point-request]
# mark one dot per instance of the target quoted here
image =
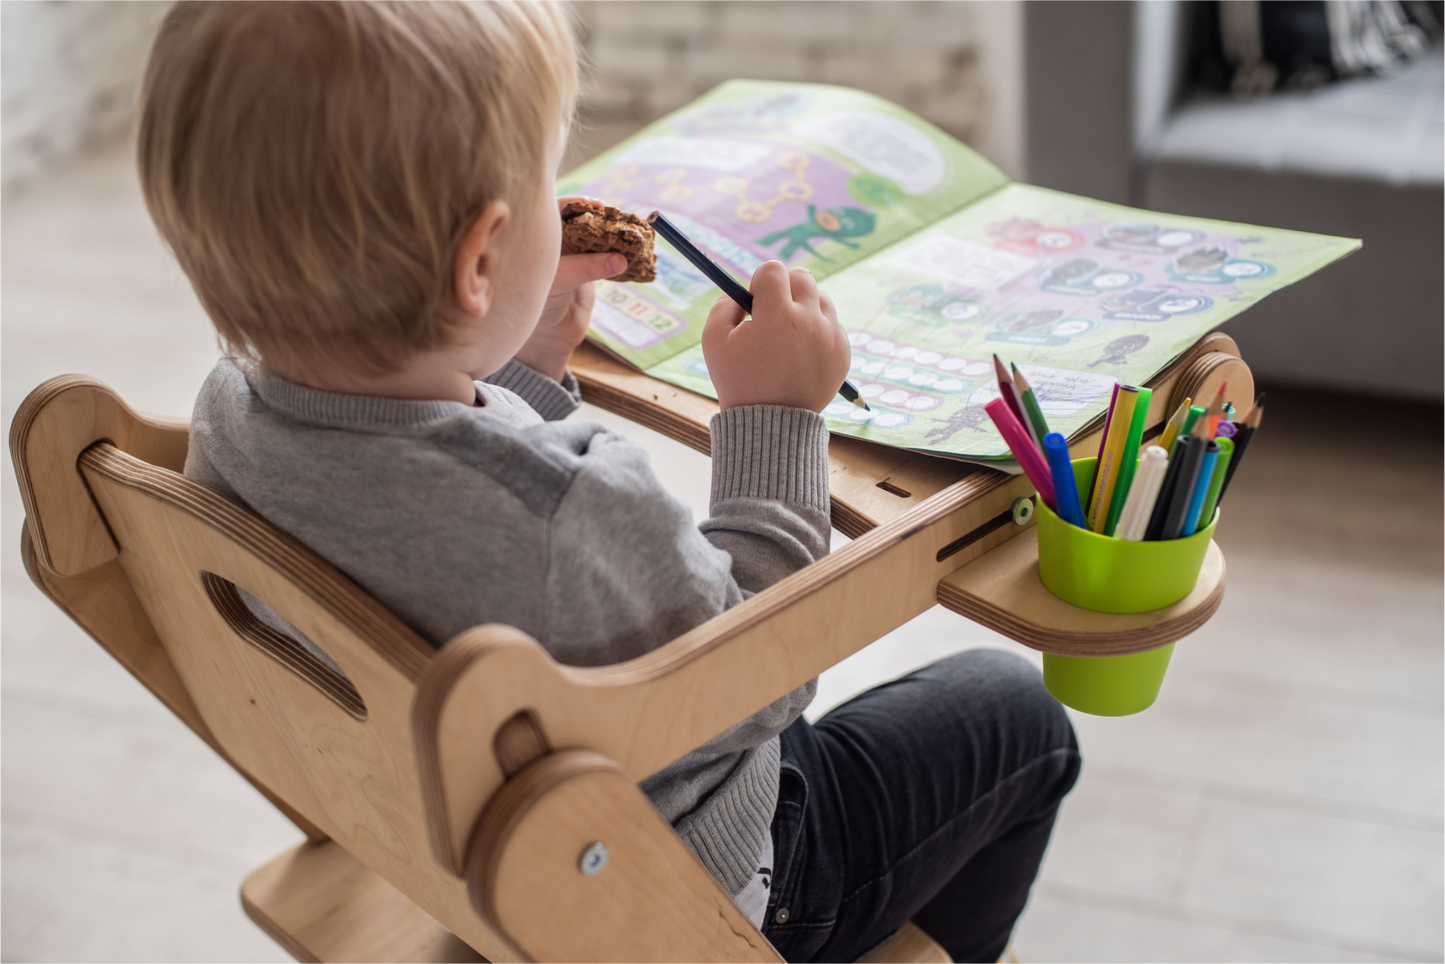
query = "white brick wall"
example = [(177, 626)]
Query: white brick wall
[(71, 69), (70, 72), (956, 63)]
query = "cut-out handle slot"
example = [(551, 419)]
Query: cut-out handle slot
[(892, 489), (290, 652)]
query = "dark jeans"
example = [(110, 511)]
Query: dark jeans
[(929, 799)]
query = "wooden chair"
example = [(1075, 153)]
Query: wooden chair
[(480, 801)]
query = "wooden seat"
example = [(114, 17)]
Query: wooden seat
[(454, 800)]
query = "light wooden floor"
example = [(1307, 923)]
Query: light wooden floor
[(1281, 802)]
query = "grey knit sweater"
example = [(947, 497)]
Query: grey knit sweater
[(454, 515)]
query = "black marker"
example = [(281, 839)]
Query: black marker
[(727, 283)]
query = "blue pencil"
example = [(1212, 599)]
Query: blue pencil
[(1066, 489), (1201, 488)]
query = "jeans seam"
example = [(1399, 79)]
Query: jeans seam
[(1006, 781)]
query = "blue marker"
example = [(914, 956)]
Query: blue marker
[(1201, 488), (1066, 488)]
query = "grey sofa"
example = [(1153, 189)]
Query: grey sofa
[(1108, 116)]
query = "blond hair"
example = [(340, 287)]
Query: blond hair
[(314, 165)]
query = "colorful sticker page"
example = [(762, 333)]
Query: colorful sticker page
[(1078, 293), (954, 266), (805, 173)]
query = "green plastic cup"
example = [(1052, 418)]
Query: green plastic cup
[(1110, 575), (1107, 685)]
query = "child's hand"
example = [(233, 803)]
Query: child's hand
[(792, 351), (568, 308)]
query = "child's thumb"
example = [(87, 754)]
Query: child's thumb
[(574, 270)]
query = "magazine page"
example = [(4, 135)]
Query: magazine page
[(1078, 293), (807, 174)]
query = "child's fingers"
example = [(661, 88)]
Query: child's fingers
[(803, 288), (826, 306), (725, 315), (578, 269), (770, 284)]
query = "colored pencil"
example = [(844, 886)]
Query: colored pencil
[(1106, 473), (1023, 449), (1226, 429), (1143, 493), (1189, 450), (1215, 412), (1176, 422), (1008, 391), (1241, 442), (1030, 403), (1130, 459), (727, 283), (1216, 484), (1201, 489), (1061, 470)]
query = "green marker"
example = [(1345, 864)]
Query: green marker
[(1196, 412), (1221, 467), (1129, 462)]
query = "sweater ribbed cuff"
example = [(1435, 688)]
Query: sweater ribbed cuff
[(551, 400), (727, 831), (770, 452)]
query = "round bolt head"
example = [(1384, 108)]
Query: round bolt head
[(593, 859), (1023, 511)]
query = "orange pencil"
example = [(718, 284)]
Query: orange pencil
[(1215, 414)]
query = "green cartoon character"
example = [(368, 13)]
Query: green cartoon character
[(835, 224)]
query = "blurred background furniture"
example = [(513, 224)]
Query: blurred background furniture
[(1112, 112)]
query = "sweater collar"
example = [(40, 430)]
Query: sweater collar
[(345, 411)]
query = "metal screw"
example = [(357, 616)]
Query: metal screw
[(782, 915), (593, 859), (1023, 511)]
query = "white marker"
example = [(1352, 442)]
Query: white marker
[(1139, 505)]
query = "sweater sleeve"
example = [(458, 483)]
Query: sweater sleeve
[(627, 570), (550, 399), (769, 507)]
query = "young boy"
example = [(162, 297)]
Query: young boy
[(361, 197)]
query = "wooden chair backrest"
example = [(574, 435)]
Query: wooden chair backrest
[(335, 747)]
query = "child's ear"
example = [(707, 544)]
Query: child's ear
[(473, 283)]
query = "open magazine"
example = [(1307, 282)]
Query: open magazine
[(936, 262)]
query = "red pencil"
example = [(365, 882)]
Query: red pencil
[(1023, 449)]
